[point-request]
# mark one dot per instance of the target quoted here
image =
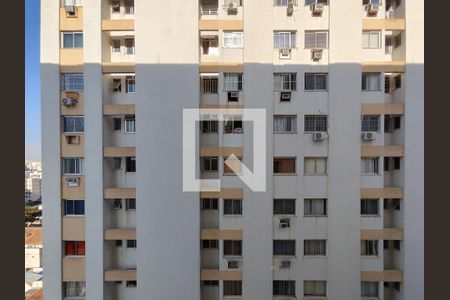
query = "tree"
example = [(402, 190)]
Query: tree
[(31, 213)]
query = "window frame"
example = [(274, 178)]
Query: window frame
[(315, 88), (369, 245), (283, 160), (72, 82), (366, 209), (228, 84), (74, 40), (365, 82), (235, 208), (315, 288), (77, 251), (315, 158), (65, 123), (211, 160), (131, 244), (130, 84), (285, 209), (79, 165), (232, 288), (286, 288), (287, 121), (285, 245), (130, 124), (306, 248), (235, 246), (318, 122), (370, 166), (369, 43), (289, 40), (73, 211), (280, 84), (213, 204), (370, 295), (310, 210), (370, 122), (233, 40), (316, 32), (231, 122), (130, 164)]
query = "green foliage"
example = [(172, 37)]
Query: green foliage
[(31, 213)]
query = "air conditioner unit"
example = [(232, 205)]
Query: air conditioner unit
[(290, 8), (68, 101), (73, 181), (71, 10), (368, 136), (285, 264), (233, 264), (285, 96), (318, 136), (285, 223), (231, 10), (317, 8), (316, 54), (373, 8), (233, 96), (285, 53), (73, 139)]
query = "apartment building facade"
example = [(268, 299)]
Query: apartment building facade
[(341, 82)]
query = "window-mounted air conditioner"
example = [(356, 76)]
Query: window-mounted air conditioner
[(285, 96), (73, 181), (373, 9), (285, 264), (285, 223), (318, 136), (233, 96), (71, 10), (316, 54), (317, 8), (231, 9), (290, 8), (233, 264), (368, 136), (68, 101), (285, 53)]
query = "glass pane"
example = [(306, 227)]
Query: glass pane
[(78, 40), (68, 40)]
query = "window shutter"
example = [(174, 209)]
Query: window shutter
[(309, 40), (365, 40), (321, 40)]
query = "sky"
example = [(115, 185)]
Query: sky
[(32, 81)]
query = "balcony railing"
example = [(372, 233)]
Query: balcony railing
[(209, 9)]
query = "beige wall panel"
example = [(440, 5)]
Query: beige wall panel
[(223, 106), (117, 67), (120, 234), (220, 275), (376, 193), (120, 275), (384, 66), (387, 24), (73, 228), (230, 193), (215, 67), (72, 192), (388, 276), (73, 269), (118, 109), (71, 68), (382, 234), (117, 25), (113, 193), (221, 151), (119, 151), (377, 150), (69, 23), (217, 234), (71, 57), (221, 24), (72, 150), (77, 109), (383, 109)]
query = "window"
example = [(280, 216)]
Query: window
[(74, 124), (369, 289), (232, 288), (315, 247), (370, 123), (396, 163), (284, 206), (117, 123), (365, 2), (210, 126), (210, 164), (315, 288), (131, 84), (115, 6), (209, 204), (395, 204), (232, 82), (73, 166), (129, 46), (210, 45), (233, 39), (371, 82), (397, 41), (73, 207), (233, 124), (130, 164), (315, 82), (371, 39), (234, 2), (72, 40), (284, 247), (285, 124), (232, 248), (129, 6), (72, 82), (117, 85), (117, 204), (397, 245), (118, 243), (115, 46), (398, 81), (284, 166), (315, 166), (131, 244), (75, 248), (74, 289), (232, 207), (315, 123), (210, 85), (117, 163), (284, 2), (130, 204), (369, 165), (315, 207), (369, 207), (210, 244), (130, 124), (284, 39), (131, 284), (316, 39), (285, 81), (284, 288), (210, 282), (369, 248)]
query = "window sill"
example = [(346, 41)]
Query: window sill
[(370, 216), (314, 256), (75, 256), (315, 91), (315, 175), (370, 257), (284, 174), (232, 216), (232, 257), (286, 132), (74, 216), (315, 216)]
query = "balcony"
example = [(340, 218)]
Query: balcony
[(111, 234), (118, 48), (211, 10), (115, 193), (118, 10), (219, 48), (73, 268), (121, 275), (119, 87)]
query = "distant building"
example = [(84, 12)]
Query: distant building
[(33, 247), (33, 183)]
